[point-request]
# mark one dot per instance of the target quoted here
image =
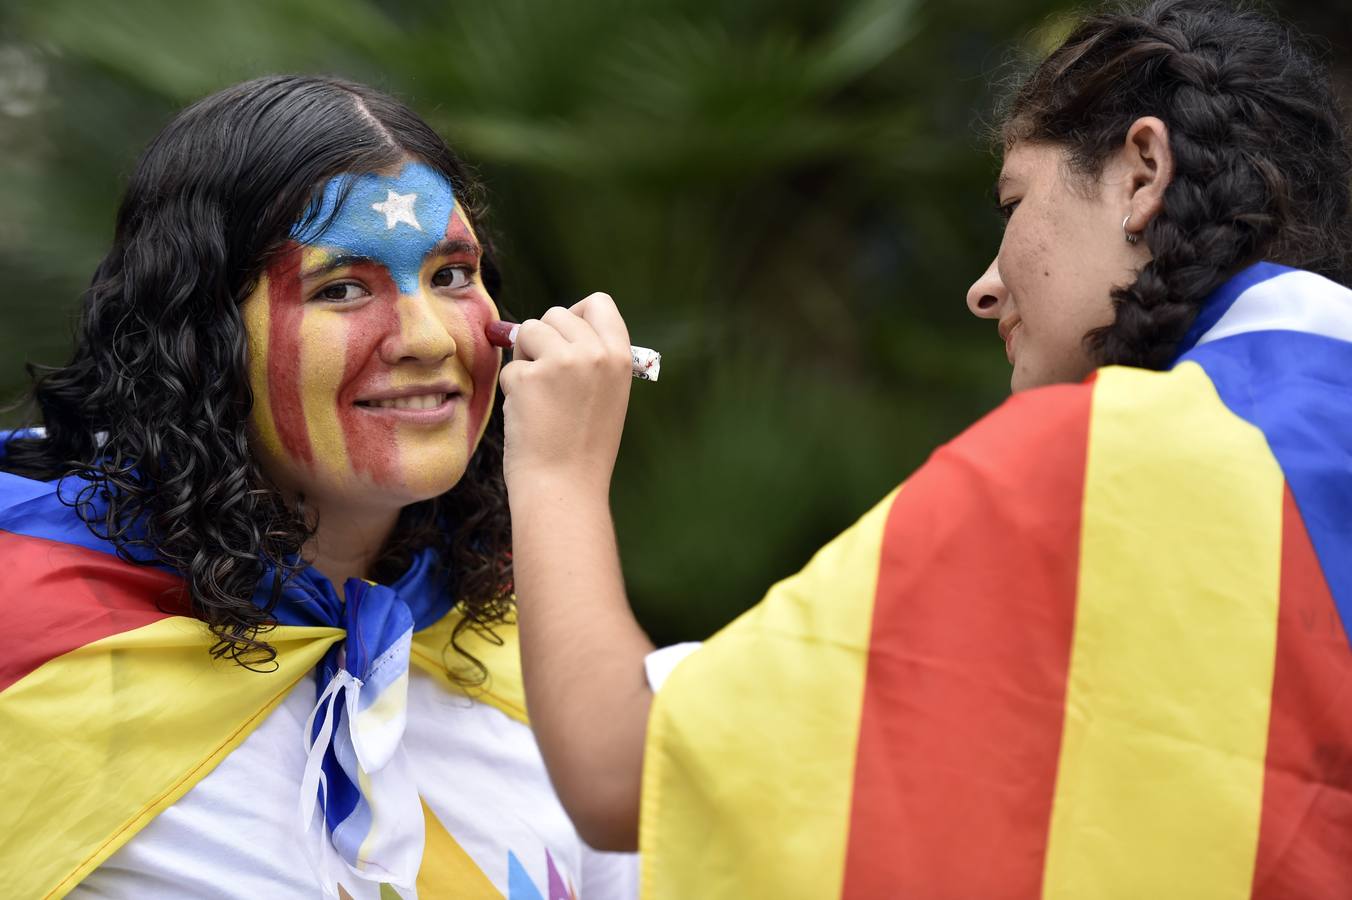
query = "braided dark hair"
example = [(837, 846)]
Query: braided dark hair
[(1262, 168), (150, 415)]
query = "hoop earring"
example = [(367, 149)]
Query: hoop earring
[(1131, 238)]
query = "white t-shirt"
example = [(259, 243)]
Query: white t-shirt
[(236, 833)]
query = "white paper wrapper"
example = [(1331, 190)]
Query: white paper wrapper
[(647, 363)]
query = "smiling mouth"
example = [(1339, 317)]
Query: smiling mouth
[(417, 401)]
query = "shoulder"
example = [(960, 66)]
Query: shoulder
[(64, 588), (1015, 470), (497, 650), (1038, 431), (1017, 477), (1039, 445), (55, 511)]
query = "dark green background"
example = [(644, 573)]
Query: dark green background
[(788, 199)]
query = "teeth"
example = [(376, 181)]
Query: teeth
[(421, 401)]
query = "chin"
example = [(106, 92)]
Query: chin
[(363, 493), (420, 486)]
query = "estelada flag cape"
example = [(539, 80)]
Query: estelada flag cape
[(1095, 647), (111, 708)]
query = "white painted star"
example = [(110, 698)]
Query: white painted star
[(398, 208)]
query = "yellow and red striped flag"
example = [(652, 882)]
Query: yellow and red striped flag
[(111, 708), (1095, 647)]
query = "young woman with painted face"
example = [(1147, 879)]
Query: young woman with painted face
[(1097, 645), (256, 568)]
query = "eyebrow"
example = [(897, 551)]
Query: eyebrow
[(338, 262), (449, 247), (456, 247)]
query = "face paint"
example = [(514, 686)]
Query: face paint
[(377, 298), (481, 358), (370, 441), (395, 222), (283, 370)]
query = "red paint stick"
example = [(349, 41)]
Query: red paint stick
[(647, 363)]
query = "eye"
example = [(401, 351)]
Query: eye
[(342, 292), (453, 277), (1007, 209)]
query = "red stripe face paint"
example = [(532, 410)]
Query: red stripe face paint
[(285, 309), (371, 440), (481, 358), (484, 361)]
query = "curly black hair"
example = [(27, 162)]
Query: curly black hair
[(149, 417), (1262, 168)]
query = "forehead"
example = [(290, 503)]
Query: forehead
[(395, 219)]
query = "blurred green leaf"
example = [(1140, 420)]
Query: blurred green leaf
[(789, 199)]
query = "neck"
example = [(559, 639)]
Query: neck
[(347, 541)]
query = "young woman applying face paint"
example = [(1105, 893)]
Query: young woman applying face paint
[(1096, 646), (257, 637)]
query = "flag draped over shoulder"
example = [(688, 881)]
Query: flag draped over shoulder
[(1095, 647), (111, 708)]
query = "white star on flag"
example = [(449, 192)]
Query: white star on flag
[(398, 208)]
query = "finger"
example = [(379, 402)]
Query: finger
[(600, 312), (567, 323), (509, 376), (535, 339)]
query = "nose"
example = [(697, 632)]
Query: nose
[(988, 294), (420, 335)]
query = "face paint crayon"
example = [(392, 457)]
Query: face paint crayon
[(647, 364)]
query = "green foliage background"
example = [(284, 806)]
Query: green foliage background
[(788, 198)]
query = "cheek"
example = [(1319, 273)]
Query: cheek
[(278, 336), (255, 316), (1044, 262), (371, 441), (1026, 263), (322, 375), (1089, 264), (482, 360)]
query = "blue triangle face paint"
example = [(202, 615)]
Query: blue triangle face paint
[(393, 221)]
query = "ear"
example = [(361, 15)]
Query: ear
[(1149, 167)]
